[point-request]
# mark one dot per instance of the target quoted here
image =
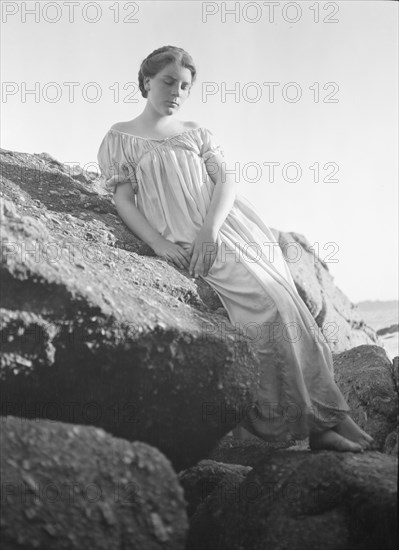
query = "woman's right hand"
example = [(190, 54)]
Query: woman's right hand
[(172, 252)]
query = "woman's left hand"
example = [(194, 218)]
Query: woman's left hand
[(203, 252)]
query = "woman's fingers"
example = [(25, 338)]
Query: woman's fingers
[(209, 259), (191, 259), (193, 263), (181, 261), (185, 258), (178, 257), (178, 262)]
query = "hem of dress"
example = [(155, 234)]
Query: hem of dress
[(284, 431)]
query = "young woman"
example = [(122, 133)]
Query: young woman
[(188, 211)]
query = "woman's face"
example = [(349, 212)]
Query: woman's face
[(169, 88)]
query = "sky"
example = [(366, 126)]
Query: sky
[(310, 86)]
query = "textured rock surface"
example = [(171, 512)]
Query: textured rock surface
[(126, 345), (368, 381), (388, 330), (200, 480), (296, 500), (247, 452), (206, 524), (165, 387), (75, 487), (340, 319)]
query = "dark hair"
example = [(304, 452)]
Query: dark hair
[(158, 59)]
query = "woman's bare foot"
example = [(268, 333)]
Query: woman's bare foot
[(332, 441), (350, 430)]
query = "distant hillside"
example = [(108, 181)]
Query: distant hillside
[(379, 314)]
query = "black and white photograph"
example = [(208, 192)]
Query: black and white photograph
[(199, 275)]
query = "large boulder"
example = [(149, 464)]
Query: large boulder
[(368, 381), (98, 331), (339, 319), (294, 500), (199, 481), (77, 487), (135, 361)]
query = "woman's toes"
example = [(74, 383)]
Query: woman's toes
[(366, 444), (368, 438), (370, 444), (355, 447), (330, 440)]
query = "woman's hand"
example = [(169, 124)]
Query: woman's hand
[(172, 252), (203, 252)]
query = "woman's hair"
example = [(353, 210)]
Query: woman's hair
[(158, 59)]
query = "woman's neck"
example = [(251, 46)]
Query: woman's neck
[(150, 124), (152, 120)]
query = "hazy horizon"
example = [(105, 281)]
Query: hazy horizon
[(378, 301)]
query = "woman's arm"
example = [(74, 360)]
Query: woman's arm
[(223, 196), (204, 248), (133, 218), (139, 225)]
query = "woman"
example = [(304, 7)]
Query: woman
[(188, 211)]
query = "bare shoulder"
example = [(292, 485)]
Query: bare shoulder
[(192, 125), (117, 125), (125, 126)]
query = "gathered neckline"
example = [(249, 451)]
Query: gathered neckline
[(156, 139)]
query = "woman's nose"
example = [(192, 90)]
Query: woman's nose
[(177, 90)]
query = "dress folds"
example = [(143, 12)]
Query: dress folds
[(173, 190)]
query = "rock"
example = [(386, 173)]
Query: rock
[(296, 500), (135, 384), (388, 330), (77, 487), (247, 452), (366, 378), (206, 524), (102, 336), (200, 480), (339, 319), (391, 443)]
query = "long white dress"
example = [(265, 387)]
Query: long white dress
[(297, 393)]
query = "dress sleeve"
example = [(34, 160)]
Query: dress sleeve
[(210, 145), (114, 168)]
